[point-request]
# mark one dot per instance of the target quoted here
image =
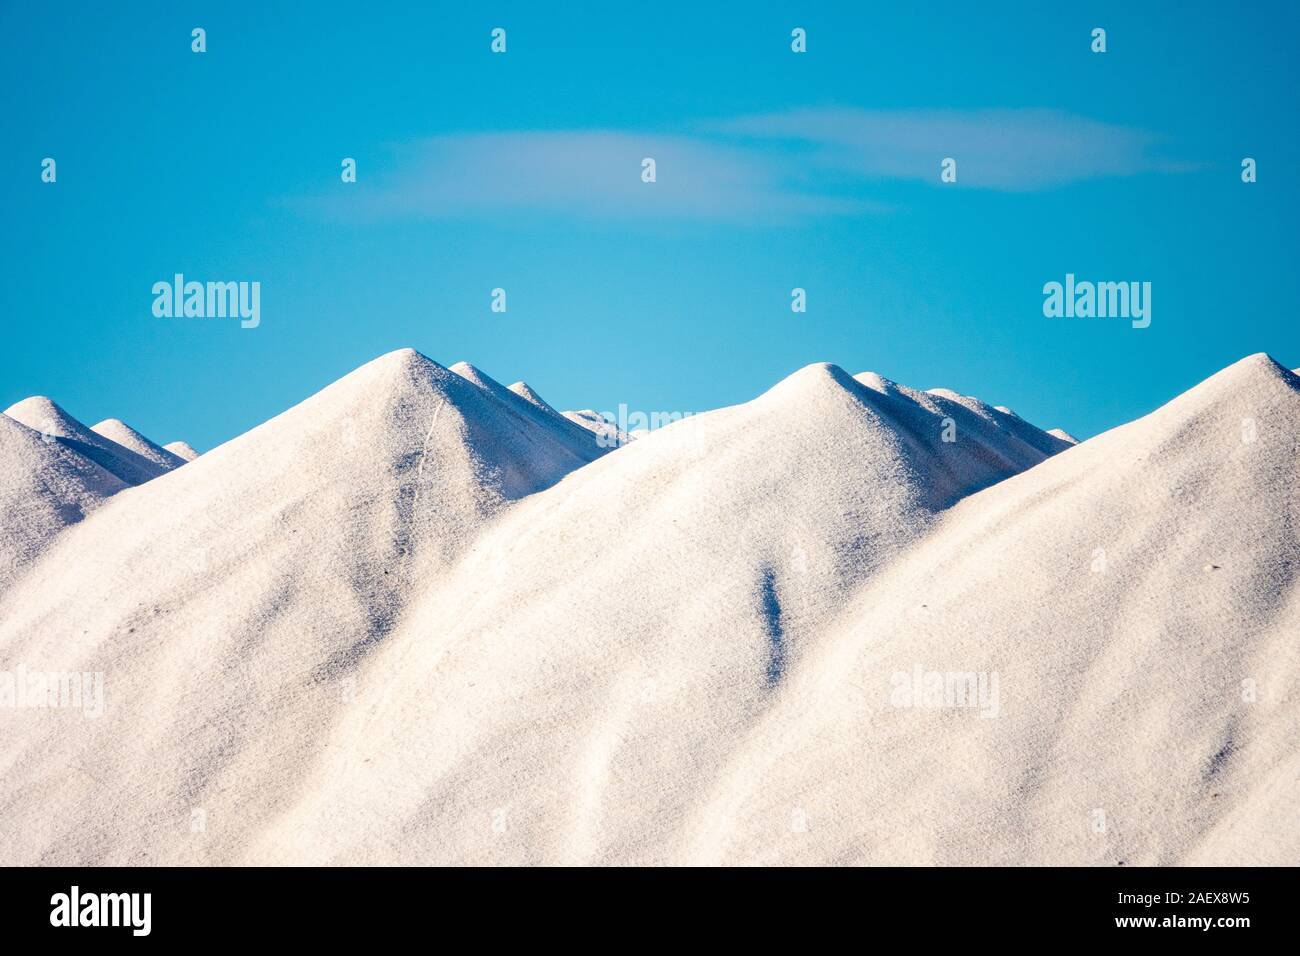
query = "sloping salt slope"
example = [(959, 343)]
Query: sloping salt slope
[(1136, 599), (981, 415), (606, 436), (230, 603), (116, 430), (43, 415), (525, 391), (1004, 442), (530, 407), (607, 433), (568, 692), (181, 450), (44, 487)]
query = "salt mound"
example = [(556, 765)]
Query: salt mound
[(44, 487), (181, 450), (231, 602), (417, 631), (576, 440), (116, 430), (1145, 712), (607, 433), (43, 415), (1002, 440), (592, 661), (636, 714), (525, 391), (1004, 419)]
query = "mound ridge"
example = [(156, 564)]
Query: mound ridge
[(725, 542), (116, 430), (525, 391), (44, 488), (232, 603), (43, 415), (1137, 601), (419, 618), (531, 408), (181, 450)]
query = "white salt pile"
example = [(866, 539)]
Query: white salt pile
[(1143, 714), (229, 602), (607, 433), (44, 487), (595, 658), (525, 391), (116, 430), (181, 450), (529, 406), (418, 618), (42, 415)]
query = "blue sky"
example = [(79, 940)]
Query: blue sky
[(522, 171)]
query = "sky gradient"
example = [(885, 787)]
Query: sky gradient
[(522, 171)]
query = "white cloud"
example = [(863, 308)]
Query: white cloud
[(994, 149), (593, 174), (800, 163)]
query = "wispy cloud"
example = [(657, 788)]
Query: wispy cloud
[(800, 163), (994, 149), (593, 174)]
